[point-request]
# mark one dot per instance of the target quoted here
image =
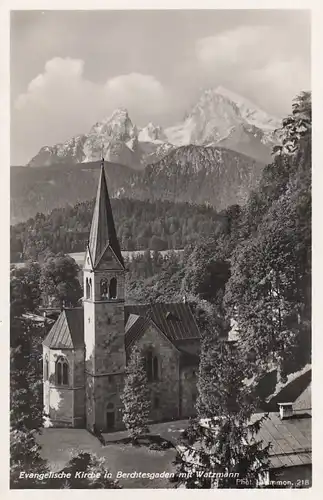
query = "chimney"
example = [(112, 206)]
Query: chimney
[(285, 410)]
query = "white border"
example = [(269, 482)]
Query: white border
[(317, 89)]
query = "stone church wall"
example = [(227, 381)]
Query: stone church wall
[(164, 392), (65, 404), (107, 390), (79, 392), (188, 390)]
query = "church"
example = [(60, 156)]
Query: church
[(85, 354)]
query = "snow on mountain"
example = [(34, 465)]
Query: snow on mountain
[(223, 118), (250, 112), (114, 138), (71, 150), (152, 133), (219, 118)]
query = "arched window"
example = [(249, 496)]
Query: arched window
[(113, 289), (61, 371), (155, 368), (90, 288), (110, 417), (87, 286), (151, 363), (46, 368), (104, 289)]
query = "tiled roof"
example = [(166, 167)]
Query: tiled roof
[(290, 439), (68, 330), (103, 231), (291, 392), (304, 401), (135, 326), (175, 320)]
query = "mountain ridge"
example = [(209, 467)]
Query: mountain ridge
[(211, 175), (218, 118)]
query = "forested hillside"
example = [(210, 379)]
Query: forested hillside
[(41, 189), (193, 174), (256, 269), (158, 225), (197, 174)]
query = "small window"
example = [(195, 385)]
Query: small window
[(109, 321), (151, 363), (90, 286), (110, 406), (155, 368), (156, 402), (113, 289), (104, 289), (46, 368), (61, 372)]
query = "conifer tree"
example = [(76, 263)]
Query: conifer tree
[(96, 475), (136, 396), (25, 458), (269, 291), (220, 448)]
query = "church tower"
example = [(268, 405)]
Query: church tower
[(104, 284)]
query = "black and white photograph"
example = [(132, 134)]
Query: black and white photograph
[(160, 249)]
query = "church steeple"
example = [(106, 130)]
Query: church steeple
[(103, 308), (103, 233)]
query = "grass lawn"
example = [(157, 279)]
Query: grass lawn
[(58, 444)]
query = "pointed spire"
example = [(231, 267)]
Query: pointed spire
[(103, 233)]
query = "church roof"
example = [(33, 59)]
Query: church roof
[(103, 232), (175, 320), (68, 330), (135, 326)]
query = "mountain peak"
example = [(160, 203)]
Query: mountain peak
[(220, 117), (152, 133), (122, 112)]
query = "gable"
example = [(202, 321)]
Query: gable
[(175, 320), (109, 261), (149, 335), (88, 265), (68, 331)]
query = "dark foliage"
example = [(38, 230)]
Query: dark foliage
[(158, 225)]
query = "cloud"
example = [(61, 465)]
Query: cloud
[(60, 102), (232, 47), (136, 91), (257, 61)]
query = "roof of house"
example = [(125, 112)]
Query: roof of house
[(68, 331), (103, 232), (297, 391), (304, 401), (175, 320), (290, 438)]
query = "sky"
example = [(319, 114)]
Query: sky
[(70, 69)]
